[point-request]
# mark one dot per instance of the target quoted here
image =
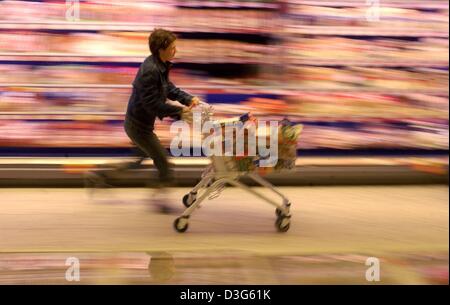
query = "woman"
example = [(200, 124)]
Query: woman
[(151, 89)]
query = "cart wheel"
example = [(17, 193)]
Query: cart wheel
[(278, 212), (187, 203), (283, 223), (181, 224)]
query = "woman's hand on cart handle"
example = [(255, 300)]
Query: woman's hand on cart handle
[(194, 102)]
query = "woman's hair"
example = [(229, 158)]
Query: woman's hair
[(160, 39)]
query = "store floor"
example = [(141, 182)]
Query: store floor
[(333, 231)]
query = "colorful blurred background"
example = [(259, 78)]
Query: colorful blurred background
[(367, 79), (355, 84)]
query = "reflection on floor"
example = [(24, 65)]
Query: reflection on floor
[(219, 268)]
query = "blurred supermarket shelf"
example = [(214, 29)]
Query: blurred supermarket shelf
[(86, 86), (281, 89), (119, 86), (105, 115), (362, 31), (299, 29), (59, 57), (227, 4), (368, 87), (82, 58), (120, 26), (385, 3), (28, 171), (375, 63)]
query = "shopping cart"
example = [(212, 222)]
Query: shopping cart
[(224, 170)]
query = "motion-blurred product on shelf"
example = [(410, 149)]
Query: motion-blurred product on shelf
[(134, 16), (360, 78), (18, 44), (335, 50), (351, 17)]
